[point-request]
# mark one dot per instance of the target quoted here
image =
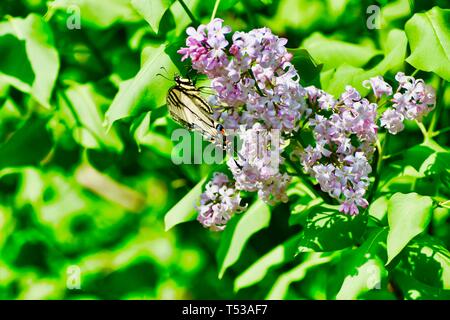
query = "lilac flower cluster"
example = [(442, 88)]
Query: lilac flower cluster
[(253, 77), (257, 169), (257, 93), (340, 165), (345, 133), (218, 203), (412, 100)]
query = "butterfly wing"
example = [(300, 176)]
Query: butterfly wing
[(191, 111)]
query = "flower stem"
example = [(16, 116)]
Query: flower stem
[(422, 129), (189, 13), (436, 133), (381, 149), (437, 111), (216, 6), (256, 83)]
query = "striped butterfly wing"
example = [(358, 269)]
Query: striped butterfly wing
[(190, 110)]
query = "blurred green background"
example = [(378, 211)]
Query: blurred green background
[(74, 197)]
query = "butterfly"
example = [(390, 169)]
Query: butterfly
[(190, 109)]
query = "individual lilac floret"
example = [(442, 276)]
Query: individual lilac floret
[(392, 120), (218, 203), (257, 168), (379, 86)]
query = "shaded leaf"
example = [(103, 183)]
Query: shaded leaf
[(427, 260), (327, 229), (257, 271), (238, 232), (281, 286), (415, 290), (306, 67), (28, 145)]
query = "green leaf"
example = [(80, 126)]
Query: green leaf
[(427, 260), (364, 278), (378, 208), (42, 56), (97, 14), (305, 65), (238, 232), (413, 289), (135, 93), (28, 145), (281, 286), (429, 37), (157, 142), (140, 127), (339, 79), (394, 10), (208, 6), (395, 51), (88, 115), (408, 215), (184, 210), (334, 53), (363, 269), (20, 75), (327, 229), (152, 11), (257, 271)]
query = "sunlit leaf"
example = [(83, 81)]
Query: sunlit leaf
[(429, 37), (408, 215), (152, 11), (41, 55), (184, 210), (334, 53), (135, 92), (97, 14)]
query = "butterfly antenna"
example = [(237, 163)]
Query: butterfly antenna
[(161, 75)]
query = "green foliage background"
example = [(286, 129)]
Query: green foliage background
[(86, 178)]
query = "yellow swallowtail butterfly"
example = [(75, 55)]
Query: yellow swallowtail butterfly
[(190, 109)]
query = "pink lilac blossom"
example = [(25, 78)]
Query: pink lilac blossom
[(257, 90), (341, 167), (412, 101), (257, 168), (253, 77), (379, 86), (218, 203)]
